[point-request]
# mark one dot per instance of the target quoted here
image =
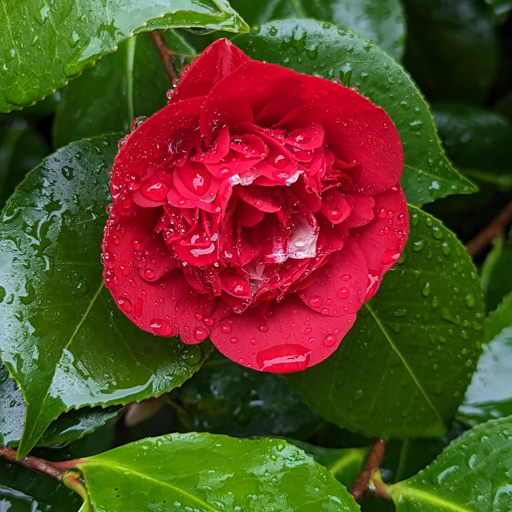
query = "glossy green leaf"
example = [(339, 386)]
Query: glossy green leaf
[(46, 44), (478, 141), (401, 371), (497, 272), (500, 10), (61, 335), (12, 409), (344, 463), (382, 21), (490, 392), (67, 427), (452, 48), (472, 475), (42, 108), (226, 398), (21, 149), (324, 50), (25, 490), (211, 473), (137, 84)]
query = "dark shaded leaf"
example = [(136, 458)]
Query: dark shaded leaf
[(226, 398), (21, 149), (478, 141), (452, 48), (137, 84)]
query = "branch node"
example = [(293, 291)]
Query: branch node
[(165, 55), (371, 466)]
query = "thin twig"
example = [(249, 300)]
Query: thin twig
[(371, 466), (41, 465), (165, 55), (495, 228)]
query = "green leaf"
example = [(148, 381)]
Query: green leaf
[(478, 141), (12, 409), (472, 475), (344, 463), (382, 21), (324, 50), (490, 392), (401, 371), (497, 272), (77, 423), (226, 398), (21, 149), (500, 10), (62, 336), (25, 490), (211, 473), (42, 108), (67, 427), (452, 48), (137, 84), (46, 44)]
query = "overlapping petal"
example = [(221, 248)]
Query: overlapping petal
[(260, 220)]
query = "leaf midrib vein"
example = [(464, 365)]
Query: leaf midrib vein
[(405, 363), (75, 332), (122, 469), (431, 498)]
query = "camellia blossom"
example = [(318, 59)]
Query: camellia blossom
[(259, 208)]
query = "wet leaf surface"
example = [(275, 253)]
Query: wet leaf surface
[(472, 474), (382, 21), (329, 52), (402, 370), (214, 473), (74, 34), (62, 337), (344, 463), (489, 395)]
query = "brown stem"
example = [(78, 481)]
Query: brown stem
[(371, 466), (41, 465), (165, 55), (495, 228)]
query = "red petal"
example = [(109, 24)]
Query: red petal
[(340, 286), (291, 338), (142, 301), (133, 160), (382, 240), (335, 207), (218, 61), (355, 128), (218, 150), (363, 209)]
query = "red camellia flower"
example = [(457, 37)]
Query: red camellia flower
[(259, 208)]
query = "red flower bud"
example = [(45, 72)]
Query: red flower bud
[(260, 208)]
